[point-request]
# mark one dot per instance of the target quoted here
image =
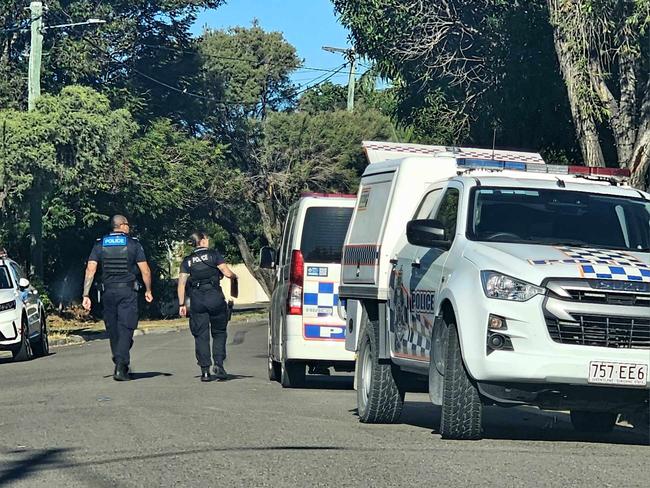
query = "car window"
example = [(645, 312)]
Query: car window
[(288, 238), (5, 280), (323, 233), (428, 203), (447, 213), (17, 271)]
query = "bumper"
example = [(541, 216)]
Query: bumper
[(321, 342), (9, 333), (536, 357)]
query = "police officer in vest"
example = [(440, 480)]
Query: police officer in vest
[(200, 274), (122, 258)]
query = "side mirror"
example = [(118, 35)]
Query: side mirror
[(267, 258), (427, 233), (23, 283)]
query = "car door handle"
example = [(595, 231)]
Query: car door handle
[(415, 264)]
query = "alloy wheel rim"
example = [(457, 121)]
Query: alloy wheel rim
[(366, 373)]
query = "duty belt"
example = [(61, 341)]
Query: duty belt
[(128, 284), (200, 283)]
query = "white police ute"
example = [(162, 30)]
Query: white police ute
[(499, 280), (305, 327), (23, 326)]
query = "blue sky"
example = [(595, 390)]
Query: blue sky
[(307, 24)]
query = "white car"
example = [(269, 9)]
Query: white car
[(305, 328), (23, 326), (501, 280)]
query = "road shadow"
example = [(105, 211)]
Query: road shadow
[(28, 465), (324, 382), (144, 375), (231, 377), (7, 359), (523, 424)]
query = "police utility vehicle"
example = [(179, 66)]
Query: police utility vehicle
[(501, 279), (305, 328), (23, 327)]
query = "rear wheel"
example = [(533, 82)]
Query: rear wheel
[(23, 351), (273, 366), (597, 422), (461, 403), (379, 399), (42, 346), (292, 374)]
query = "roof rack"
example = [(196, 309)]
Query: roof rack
[(327, 195)]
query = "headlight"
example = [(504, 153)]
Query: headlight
[(8, 306), (503, 287)]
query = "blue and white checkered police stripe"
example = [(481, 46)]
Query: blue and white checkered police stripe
[(622, 273), (320, 294), (603, 256), (366, 254)]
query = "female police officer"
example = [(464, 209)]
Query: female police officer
[(201, 272)]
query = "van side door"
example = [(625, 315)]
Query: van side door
[(405, 334), (279, 299)]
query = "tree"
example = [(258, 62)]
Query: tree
[(465, 69), (603, 47)]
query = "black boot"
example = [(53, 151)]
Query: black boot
[(205, 375), (220, 372), (121, 373)]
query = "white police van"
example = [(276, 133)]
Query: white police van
[(502, 281), (23, 327), (305, 328)]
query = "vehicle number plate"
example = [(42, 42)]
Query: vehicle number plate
[(607, 373)]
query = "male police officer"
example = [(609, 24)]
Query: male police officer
[(121, 256), (201, 272)]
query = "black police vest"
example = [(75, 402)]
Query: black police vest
[(202, 270), (115, 255)]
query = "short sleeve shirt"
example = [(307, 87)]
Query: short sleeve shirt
[(136, 255)]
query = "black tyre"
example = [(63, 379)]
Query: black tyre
[(379, 399), (292, 374), (596, 422), (24, 351), (461, 403), (42, 346)]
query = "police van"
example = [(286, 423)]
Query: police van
[(305, 327), (499, 280)]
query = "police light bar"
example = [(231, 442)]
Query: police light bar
[(327, 195), (491, 164)]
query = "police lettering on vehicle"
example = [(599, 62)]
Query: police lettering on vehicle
[(423, 301)]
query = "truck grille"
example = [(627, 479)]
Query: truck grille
[(601, 331), (610, 298)]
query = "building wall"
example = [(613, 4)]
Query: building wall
[(250, 290)]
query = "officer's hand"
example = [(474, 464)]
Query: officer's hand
[(148, 296), (87, 303), (182, 311)]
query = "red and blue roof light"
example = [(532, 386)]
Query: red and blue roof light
[(492, 164)]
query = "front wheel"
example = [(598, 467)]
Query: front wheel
[(379, 399), (595, 422), (42, 346), (461, 403), (24, 350)]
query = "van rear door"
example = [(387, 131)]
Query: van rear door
[(321, 244)]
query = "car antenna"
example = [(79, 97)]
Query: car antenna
[(561, 183), (494, 140)]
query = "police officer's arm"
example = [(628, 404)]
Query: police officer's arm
[(183, 276), (227, 272), (145, 271), (91, 270)]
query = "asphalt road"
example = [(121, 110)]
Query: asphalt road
[(64, 422)]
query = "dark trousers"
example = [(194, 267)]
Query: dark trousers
[(209, 317), (121, 320)]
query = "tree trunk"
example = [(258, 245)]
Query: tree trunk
[(36, 230), (265, 278), (586, 129)]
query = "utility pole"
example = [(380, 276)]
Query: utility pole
[(35, 54), (33, 93), (351, 56)]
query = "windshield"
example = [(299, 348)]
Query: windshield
[(5, 281), (323, 234), (556, 217)]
